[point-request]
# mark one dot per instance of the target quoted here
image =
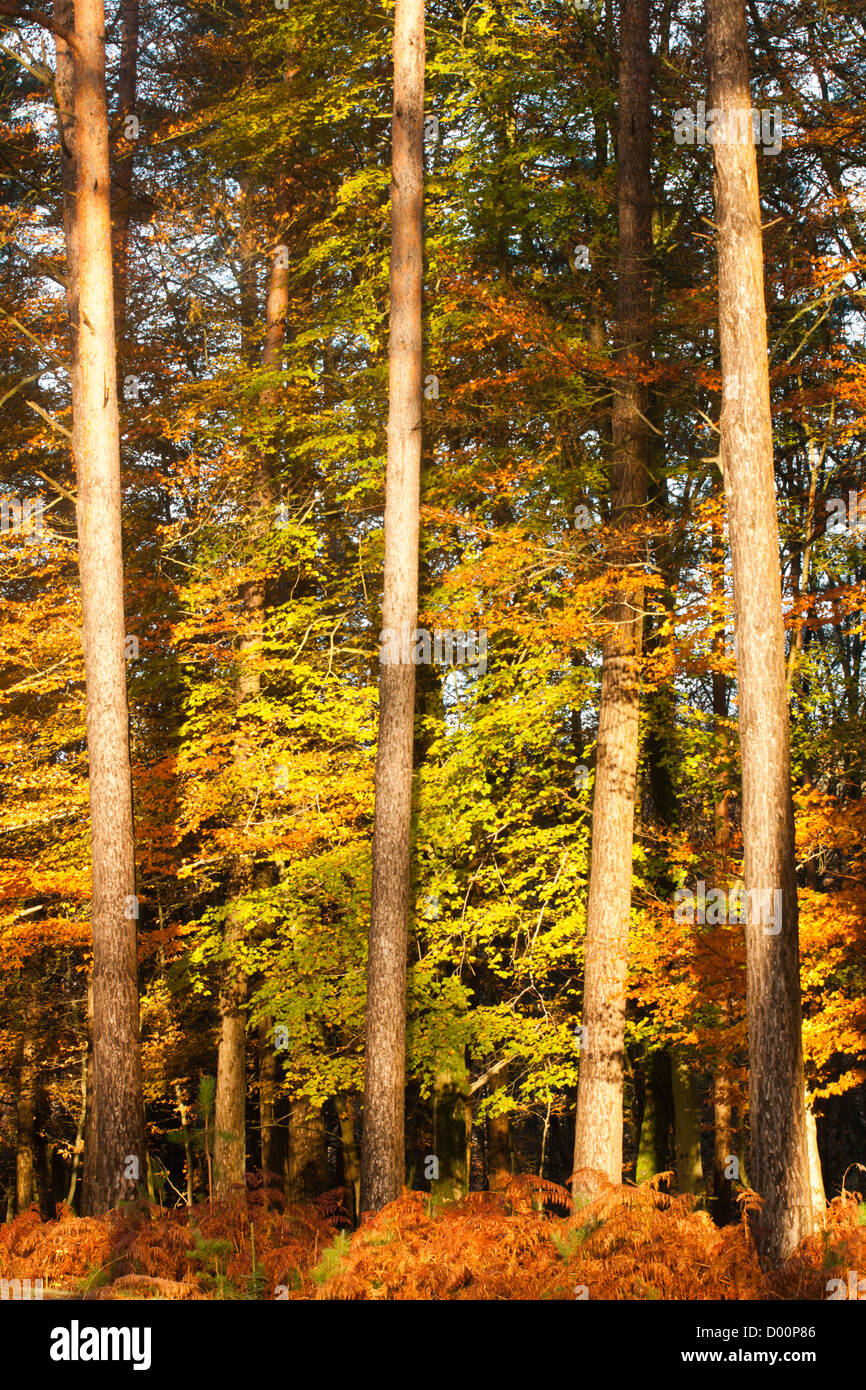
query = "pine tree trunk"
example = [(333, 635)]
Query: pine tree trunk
[(779, 1158), (382, 1153), (599, 1123), (115, 1159)]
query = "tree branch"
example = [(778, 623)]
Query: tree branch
[(38, 17)]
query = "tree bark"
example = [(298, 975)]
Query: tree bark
[(779, 1159), (382, 1153), (656, 1120), (308, 1157), (25, 1166), (351, 1157), (117, 1155), (451, 1130), (687, 1126), (599, 1124)]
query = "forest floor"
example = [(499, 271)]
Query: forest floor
[(631, 1243)]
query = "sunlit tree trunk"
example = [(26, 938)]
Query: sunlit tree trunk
[(382, 1152), (114, 1157), (778, 1152), (599, 1126)]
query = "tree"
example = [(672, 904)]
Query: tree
[(779, 1158), (598, 1134), (114, 1161), (382, 1156)]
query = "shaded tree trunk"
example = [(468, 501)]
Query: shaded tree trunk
[(656, 1119), (778, 1156), (25, 1165), (308, 1155), (114, 1161), (382, 1153), (687, 1126), (452, 1130), (351, 1156), (500, 1158), (599, 1123)]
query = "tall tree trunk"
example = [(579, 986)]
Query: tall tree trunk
[(114, 1162), (382, 1152), (230, 1114), (599, 1125), (779, 1159), (308, 1157)]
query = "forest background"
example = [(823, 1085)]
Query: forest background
[(254, 153)]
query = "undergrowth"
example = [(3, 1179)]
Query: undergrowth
[(629, 1243)]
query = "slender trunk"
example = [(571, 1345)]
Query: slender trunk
[(79, 1133), (687, 1126), (599, 1125), (499, 1146), (351, 1157), (230, 1117), (779, 1157), (113, 1163), (230, 1140), (308, 1157), (816, 1179), (183, 1111), (723, 1138), (274, 1134), (382, 1156), (25, 1168)]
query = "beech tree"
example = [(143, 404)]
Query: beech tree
[(382, 1156), (598, 1134), (779, 1156)]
